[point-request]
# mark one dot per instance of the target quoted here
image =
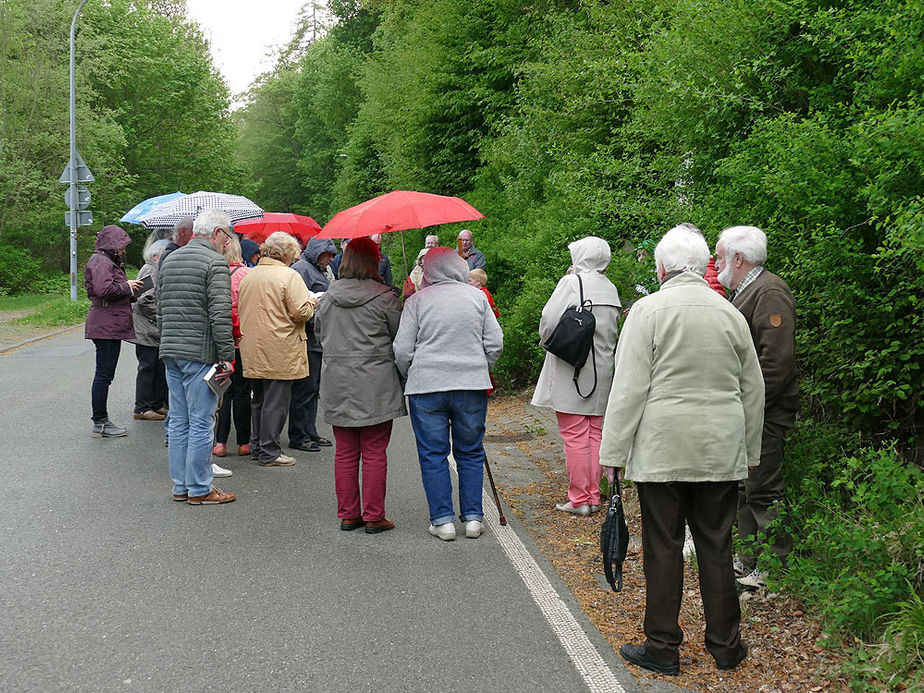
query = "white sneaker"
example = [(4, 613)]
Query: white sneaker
[(220, 471), (754, 580), (445, 532), (689, 548), (474, 529), (569, 507), (738, 567)]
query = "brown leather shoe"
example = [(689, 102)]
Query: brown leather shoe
[(350, 525), (180, 497), (148, 415), (215, 496), (382, 525)]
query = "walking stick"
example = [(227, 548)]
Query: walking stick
[(500, 512)]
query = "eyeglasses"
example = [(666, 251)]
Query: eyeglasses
[(227, 233)]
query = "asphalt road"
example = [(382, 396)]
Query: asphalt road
[(107, 584)]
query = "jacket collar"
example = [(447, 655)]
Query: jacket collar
[(687, 278)]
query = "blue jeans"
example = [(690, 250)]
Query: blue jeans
[(192, 418), (435, 417)]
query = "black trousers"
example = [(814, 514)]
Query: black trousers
[(709, 509), (151, 379), (759, 497), (107, 358), (268, 410), (304, 408), (237, 400)]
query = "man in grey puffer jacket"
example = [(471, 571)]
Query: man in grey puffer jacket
[(194, 316)]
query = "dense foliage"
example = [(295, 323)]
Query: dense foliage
[(152, 117), (563, 119)]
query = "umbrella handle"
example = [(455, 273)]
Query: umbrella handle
[(404, 255)]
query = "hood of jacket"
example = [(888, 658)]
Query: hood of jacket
[(352, 293), (444, 265), (590, 254), (112, 239), (315, 247)]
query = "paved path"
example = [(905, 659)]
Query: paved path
[(107, 584)]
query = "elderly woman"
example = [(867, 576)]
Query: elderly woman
[(151, 380), (109, 319), (355, 323), (237, 399), (580, 415), (274, 305), (446, 345)]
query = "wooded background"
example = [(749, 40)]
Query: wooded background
[(560, 120)]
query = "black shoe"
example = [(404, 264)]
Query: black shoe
[(323, 442), (307, 446), (726, 665), (637, 655)]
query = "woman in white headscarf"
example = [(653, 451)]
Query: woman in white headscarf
[(580, 418)]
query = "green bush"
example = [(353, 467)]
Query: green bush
[(18, 269)]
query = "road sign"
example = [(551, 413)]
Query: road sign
[(77, 197), (84, 218), (83, 172)]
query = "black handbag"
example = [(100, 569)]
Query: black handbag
[(573, 338), (614, 538)]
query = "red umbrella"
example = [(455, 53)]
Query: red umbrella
[(257, 230), (396, 211)]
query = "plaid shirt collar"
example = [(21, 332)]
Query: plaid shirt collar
[(748, 279)]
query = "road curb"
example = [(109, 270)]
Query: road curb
[(33, 340)]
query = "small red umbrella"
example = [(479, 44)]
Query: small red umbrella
[(302, 227), (396, 211)]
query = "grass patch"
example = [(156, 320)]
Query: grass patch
[(22, 302), (59, 311)]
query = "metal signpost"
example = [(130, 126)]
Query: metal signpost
[(77, 196)]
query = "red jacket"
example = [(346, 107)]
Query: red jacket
[(713, 278)]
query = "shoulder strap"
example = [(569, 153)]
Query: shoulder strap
[(236, 268)]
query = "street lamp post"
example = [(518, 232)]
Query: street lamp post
[(73, 169)]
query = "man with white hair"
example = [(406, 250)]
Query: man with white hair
[(767, 304), (182, 232), (684, 420), (471, 254), (194, 316), (431, 241)]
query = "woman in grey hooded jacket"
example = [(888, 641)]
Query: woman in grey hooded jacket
[(580, 418)]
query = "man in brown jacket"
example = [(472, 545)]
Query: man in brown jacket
[(768, 306)]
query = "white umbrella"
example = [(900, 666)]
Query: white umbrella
[(166, 215)]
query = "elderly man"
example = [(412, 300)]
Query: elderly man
[(471, 254), (182, 232), (684, 420), (770, 310), (194, 315), (303, 411), (431, 241)]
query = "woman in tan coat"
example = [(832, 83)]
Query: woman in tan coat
[(274, 304)]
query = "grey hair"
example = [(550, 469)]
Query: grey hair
[(156, 249), (280, 246), (749, 241), (682, 249), (184, 224), (208, 220)]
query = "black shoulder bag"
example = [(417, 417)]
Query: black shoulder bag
[(573, 338)]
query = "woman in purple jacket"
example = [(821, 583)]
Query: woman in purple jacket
[(109, 320)]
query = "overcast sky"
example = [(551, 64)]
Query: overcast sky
[(242, 32)]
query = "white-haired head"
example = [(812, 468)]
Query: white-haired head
[(682, 249), (209, 220), (749, 241), (155, 250), (182, 230)]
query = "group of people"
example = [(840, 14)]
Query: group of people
[(293, 340), (692, 401), (693, 404)]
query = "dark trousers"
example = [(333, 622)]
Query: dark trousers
[(304, 408), (268, 410), (709, 509), (236, 399), (107, 358), (759, 497), (150, 381)]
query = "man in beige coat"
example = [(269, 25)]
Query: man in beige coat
[(684, 419), (274, 304)]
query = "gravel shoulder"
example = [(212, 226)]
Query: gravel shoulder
[(13, 333), (525, 453)]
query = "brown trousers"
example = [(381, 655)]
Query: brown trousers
[(709, 509)]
